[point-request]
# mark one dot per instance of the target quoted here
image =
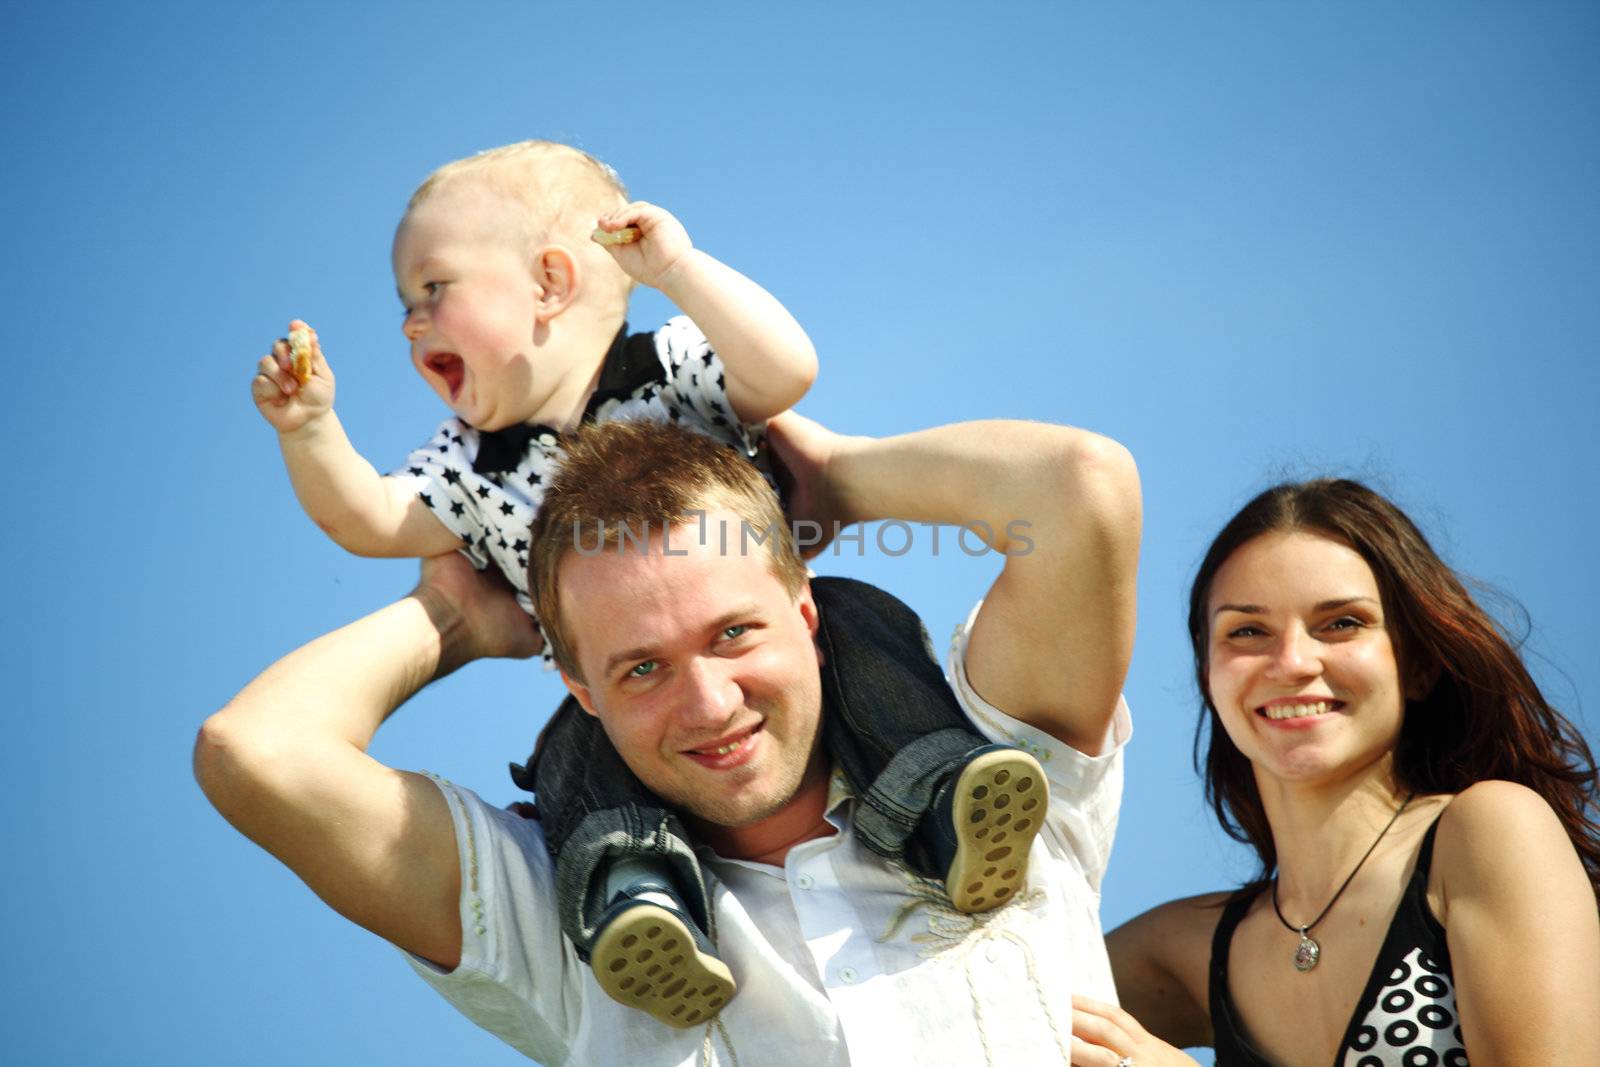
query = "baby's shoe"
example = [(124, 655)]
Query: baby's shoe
[(982, 824), (649, 954)]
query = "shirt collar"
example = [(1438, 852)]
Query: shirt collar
[(838, 790)]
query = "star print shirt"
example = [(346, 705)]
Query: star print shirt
[(487, 487)]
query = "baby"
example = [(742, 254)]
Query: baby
[(514, 267), (516, 319)]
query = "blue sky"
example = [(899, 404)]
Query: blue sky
[(1248, 240)]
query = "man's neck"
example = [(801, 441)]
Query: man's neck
[(803, 819)]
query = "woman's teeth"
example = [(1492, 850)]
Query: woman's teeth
[(1297, 711)]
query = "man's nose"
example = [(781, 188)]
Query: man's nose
[(710, 695)]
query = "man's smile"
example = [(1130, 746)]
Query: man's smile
[(729, 751)]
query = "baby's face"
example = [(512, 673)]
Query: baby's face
[(465, 276)]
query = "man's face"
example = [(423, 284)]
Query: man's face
[(701, 668)]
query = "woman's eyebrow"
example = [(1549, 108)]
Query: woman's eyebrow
[(1326, 605), (1330, 605)]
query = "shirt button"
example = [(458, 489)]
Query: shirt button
[(805, 881), (847, 975)]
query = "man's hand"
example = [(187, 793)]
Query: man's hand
[(662, 243), (1061, 505), (476, 613), (802, 450), (282, 400)]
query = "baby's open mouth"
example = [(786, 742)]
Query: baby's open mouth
[(448, 366)]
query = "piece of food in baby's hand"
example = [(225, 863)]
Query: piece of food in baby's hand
[(625, 236), (300, 339)]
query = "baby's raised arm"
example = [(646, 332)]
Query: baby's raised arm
[(362, 511), (769, 360)]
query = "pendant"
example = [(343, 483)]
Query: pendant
[(1307, 954)]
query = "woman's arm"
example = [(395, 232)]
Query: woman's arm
[(1524, 933), (1160, 961)]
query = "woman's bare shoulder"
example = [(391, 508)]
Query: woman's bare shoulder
[(1174, 937), (1494, 831), (1181, 917)]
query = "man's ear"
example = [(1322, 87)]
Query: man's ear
[(808, 612), (555, 272), (580, 693)]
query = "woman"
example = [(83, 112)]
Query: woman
[(1425, 821)]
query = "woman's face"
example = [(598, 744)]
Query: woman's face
[(1300, 664)]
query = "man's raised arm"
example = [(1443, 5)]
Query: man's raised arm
[(286, 760), (1052, 644)]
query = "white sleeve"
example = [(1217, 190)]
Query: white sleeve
[(1085, 791), (518, 978)]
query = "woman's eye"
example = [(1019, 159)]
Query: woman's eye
[(432, 288), (1245, 631), (1346, 622)]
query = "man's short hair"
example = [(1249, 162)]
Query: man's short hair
[(634, 478), (562, 191)]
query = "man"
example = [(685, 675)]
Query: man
[(705, 670)]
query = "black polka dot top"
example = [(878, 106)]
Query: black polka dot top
[(1406, 1016)]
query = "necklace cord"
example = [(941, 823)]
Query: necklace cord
[(1337, 893)]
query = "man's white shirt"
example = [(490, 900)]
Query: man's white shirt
[(841, 958)]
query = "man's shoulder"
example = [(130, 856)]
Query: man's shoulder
[(481, 826)]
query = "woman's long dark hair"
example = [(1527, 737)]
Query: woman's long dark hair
[(1484, 718)]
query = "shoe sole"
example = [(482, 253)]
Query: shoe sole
[(647, 959), (998, 808)]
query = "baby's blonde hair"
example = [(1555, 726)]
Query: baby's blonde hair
[(562, 189)]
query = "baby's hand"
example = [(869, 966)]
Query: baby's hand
[(284, 399), (650, 257)]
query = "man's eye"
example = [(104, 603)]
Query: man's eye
[(643, 669), (733, 632)]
